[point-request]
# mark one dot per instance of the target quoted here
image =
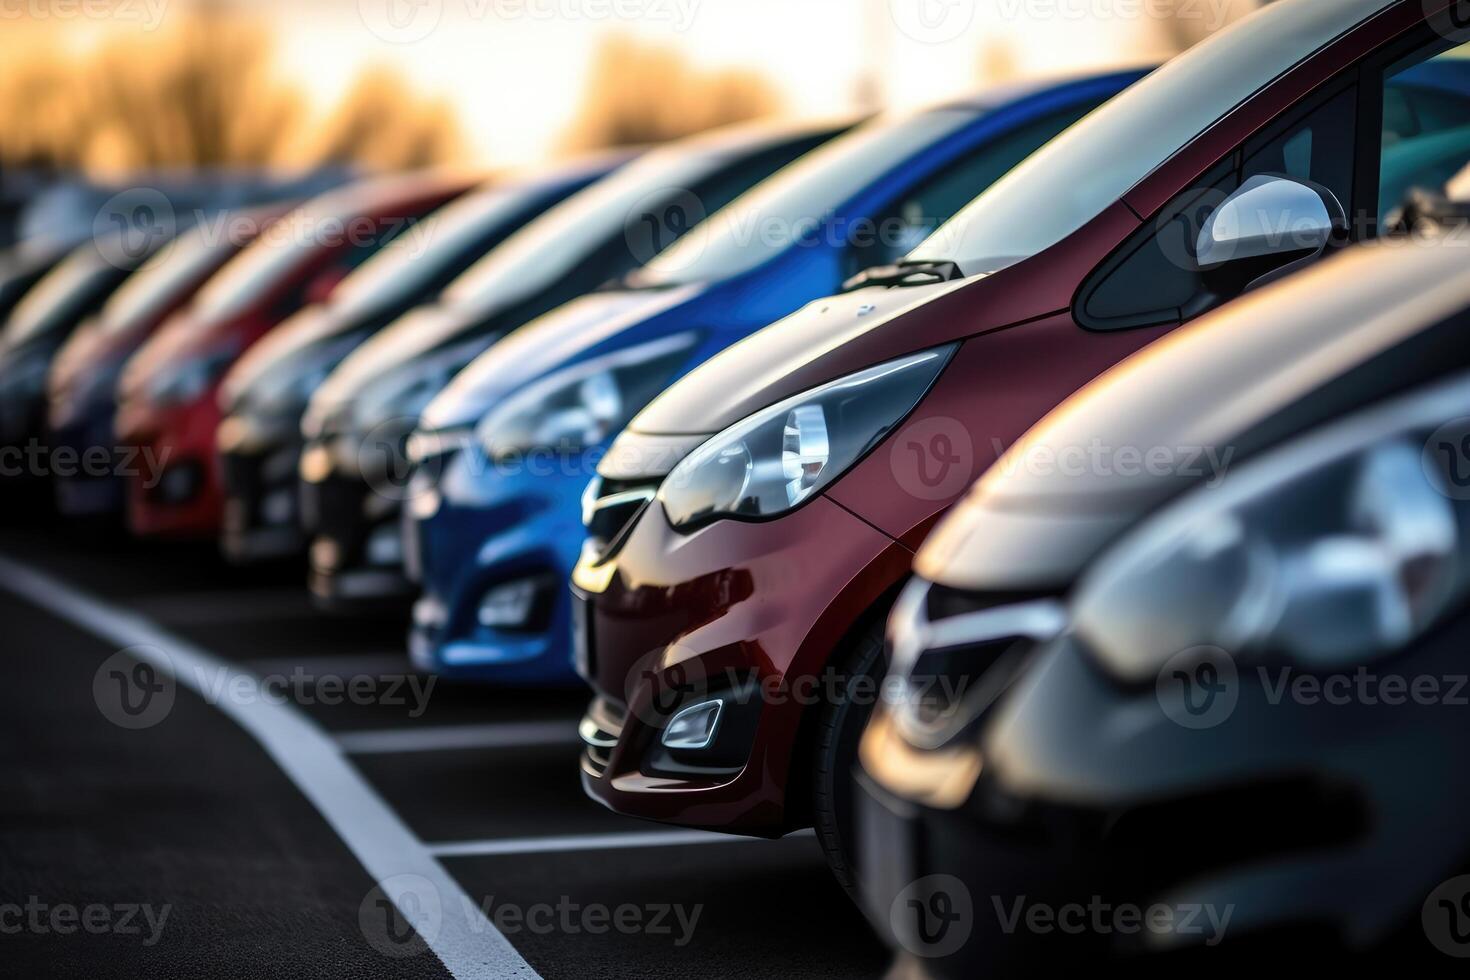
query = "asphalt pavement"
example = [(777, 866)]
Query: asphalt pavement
[(204, 776)]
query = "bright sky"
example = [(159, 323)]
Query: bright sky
[(515, 68)]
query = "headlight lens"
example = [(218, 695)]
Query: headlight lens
[(584, 404), (187, 381), (403, 394), (1341, 547), (287, 386), (783, 455)]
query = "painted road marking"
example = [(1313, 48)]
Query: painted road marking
[(591, 842), (448, 738), (468, 945)]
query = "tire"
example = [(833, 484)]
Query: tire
[(838, 730)]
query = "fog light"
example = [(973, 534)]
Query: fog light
[(279, 506), (180, 483), (508, 605), (385, 547), (693, 727)]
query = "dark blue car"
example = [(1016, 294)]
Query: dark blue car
[(493, 524)]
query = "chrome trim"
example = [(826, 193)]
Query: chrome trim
[(714, 728), (911, 635), (592, 734)]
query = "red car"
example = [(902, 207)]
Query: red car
[(82, 385), (748, 532), (168, 396)]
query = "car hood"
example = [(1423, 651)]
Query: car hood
[(293, 337), (416, 333), (181, 336), (80, 356), (1182, 411), (564, 336), (823, 340)]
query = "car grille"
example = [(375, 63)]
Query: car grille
[(600, 729), (611, 508)]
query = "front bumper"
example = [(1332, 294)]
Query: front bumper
[(355, 553), (1300, 825), (749, 613), (88, 490), (185, 497), (262, 499), (476, 529)]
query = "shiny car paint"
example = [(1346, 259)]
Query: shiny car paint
[(475, 524), (1023, 350), (320, 243)]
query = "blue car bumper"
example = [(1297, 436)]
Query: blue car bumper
[(493, 546)]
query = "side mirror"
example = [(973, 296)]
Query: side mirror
[(1271, 217)]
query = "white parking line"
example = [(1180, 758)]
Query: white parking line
[(442, 738), (590, 842), (468, 945)]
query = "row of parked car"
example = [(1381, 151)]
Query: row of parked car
[(732, 388)]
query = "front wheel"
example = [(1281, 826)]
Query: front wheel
[(839, 729)]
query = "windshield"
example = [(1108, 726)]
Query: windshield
[(49, 303), (278, 250), (766, 220), (408, 263), (549, 247), (1094, 163), (159, 282)]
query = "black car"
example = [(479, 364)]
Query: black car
[(1180, 675)]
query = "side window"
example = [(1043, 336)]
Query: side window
[(341, 261), (1426, 124), (1155, 279), (904, 223)]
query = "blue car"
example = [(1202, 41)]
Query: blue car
[(493, 525)]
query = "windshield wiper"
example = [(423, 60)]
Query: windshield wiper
[(909, 272)]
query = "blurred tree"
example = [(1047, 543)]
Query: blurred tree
[(202, 92), (1188, 21), (998, 62), (645, 93), (381, 124)]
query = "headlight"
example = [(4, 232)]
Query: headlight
[(286, 387), (187, 381), (783, 455), (401, 395), (584, 404), (1338, 548)]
